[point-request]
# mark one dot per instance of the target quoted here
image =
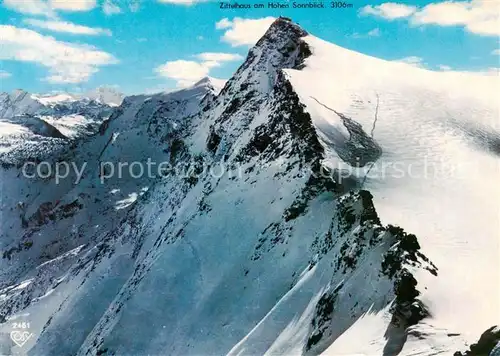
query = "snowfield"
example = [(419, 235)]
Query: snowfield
[(332, 203), (424, 121)]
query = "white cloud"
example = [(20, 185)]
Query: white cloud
[(223, 23), (29, 7), (219, 57), (244, 32), (4, 74), (73, 5), (496, 52), (373, 33), (211, 64), (183, 71), (188, 72), (481, 17), (412, 60), (67, 27), (67, 63), (48, 7), (389, 10), (110, 8)]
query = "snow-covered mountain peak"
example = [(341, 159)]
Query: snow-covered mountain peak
[(18, 102), (282, 27), (213, 84), (17, 94), (280, 47), (202, 81), (105, 95)]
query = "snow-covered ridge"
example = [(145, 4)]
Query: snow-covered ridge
[(278, 255), (423, 120), (214, 84), (20, 102), (103, 95), (53, 99)]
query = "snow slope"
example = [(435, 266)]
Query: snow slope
[(17, 103), (436, 128), (48, 227), (261, 243)]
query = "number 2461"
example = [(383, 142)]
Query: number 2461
[(23, 325)]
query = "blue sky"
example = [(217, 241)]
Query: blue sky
[(152, 45)]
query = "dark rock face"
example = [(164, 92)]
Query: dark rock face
[(407, 309), (213, 141), (320, 181), (357, 224), (46, 213), (37, 126), (259, 85), (294, 48), (360, 149), (281, 46), (90, 108), (369, 213), (289, 130), (322, 316), (488, 344), (484, 138)]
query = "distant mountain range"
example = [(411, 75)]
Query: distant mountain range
[(21, 102), (31, 123)]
